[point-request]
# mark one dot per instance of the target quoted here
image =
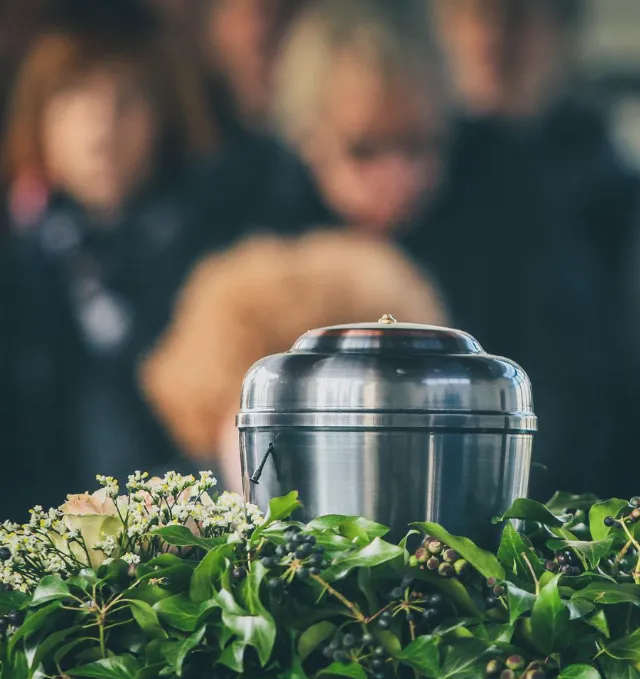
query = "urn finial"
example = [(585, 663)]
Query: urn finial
[(387, 319)]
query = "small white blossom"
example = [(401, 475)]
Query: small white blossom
[(133, 559)]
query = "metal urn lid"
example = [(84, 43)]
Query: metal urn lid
[(388, 374)]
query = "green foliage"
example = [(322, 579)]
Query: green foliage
[(560, 599)]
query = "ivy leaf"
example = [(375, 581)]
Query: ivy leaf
[(618, 669), (147, 619), (208, 572), (63, 651), (313, 637), (422, 655), (50, 588), (550, 618), (465, 660), (514, 552), (530, 510), (627, 648), (609, 593), (375, 553), (599, 512), (179, 612), (593, 552), (48, 644), (118, 667), (352, 670), (186, 647), (34, 621), (233, 656), (12, 600), (580, 608), (253, 630), (580, 672), (484, 562), (599, 621), (279, 508), (520, 602), (562, 502), (181, 536)]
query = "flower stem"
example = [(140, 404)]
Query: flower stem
[(357, 613), (533, 573)]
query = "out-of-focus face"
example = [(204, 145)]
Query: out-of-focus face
[(99, 135), (241, 40), (376, 151), (503, 54)]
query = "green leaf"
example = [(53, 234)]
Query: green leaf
[(484, 562), (516, 553), (580, 608), (352, 670), (34, 621), (118, 667), (593, 552), (375, 553), (550, 618), (422, 655), (609, 593), (50, 588), (313, 637), (279, 508), (530, 510), (520, 602), (599, 512), (186, 647), (250, 589), (179, 612), (465, 660), (253, 630), (580, 672), (626, 648), (147, 619), (63, 651), (208, 572), (181, 536), (599, 621), (618, 669), (11, 601), (233, 656), (562, 502), (47, 644)]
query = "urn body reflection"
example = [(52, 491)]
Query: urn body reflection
[(394, 422)]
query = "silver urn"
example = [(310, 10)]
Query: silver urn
[(392, 421)]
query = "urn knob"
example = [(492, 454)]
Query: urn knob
[(387, 319)]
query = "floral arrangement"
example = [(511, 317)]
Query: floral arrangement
[(169, 579)]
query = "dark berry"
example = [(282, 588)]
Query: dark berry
[(4, 625), (433, 564), (291, 547), (422, 555), (303, 573), (491, 601), (281, 551), (316, 560), (450, 555), (311, 540), (429, 614), (238, 573), (499, 590), (445, 570), (379, 652), (269, 562), (515, 662), (507, 674), (534, 674), (386, 615), (377, 663), (566, 569), (435, 547), (16, 618), (406, 581), (275, 585), (335, 644), (635, 501), (5, 553), (379, 675), (493, 668), (609, 521), (290, 534), (299, 539), (461, 567), (314, 570), (562, 559), (575, 571), (551, 566), (397, 593), (341, 656), (368, 639), (318, 549), (327, 652), (491, 583), (303, 551), (348, 641), (434, 600), (383, 624)]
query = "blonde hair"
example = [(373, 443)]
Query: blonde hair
[(371, 30), (257, 299)]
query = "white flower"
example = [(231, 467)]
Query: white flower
[(109, 484), (131, 558)]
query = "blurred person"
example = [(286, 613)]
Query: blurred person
[(359, 97), (108, 119), (528, 235), (255, 300)]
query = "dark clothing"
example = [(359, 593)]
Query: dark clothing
[(526, 242)]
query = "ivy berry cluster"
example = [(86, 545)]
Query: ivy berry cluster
[(435, 556)]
